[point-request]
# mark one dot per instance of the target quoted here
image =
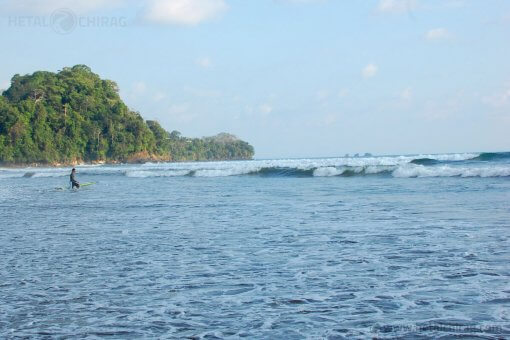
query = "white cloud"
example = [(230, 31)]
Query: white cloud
[(204, 62), (184, 12), (266, 109), (369, 71), (322, 95), (139, 87), (328, 120), (49, 6), (134, 92), (499, 100), (455, 4), (396, 6), (406, 94), (444, 107), (303, 1), (181, 113), (343, 93), (159, 96), (249, 110), (178, 108), (437, 34), (204, 93)]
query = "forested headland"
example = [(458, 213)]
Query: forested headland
[(74, 116)]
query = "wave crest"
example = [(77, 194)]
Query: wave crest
[(425, 161), (492, 156), (145, 174), (443, 165), (449, 171)]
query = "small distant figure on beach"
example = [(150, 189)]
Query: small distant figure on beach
[(74, 182)]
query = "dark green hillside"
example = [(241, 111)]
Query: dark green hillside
[(75, 116)]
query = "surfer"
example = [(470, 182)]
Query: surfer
[(74, 182)]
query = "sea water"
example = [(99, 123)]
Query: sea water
[(397, 246)]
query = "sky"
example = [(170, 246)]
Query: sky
[(294, 78)]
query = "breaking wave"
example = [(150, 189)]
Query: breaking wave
[(450, 171), (425, 161), (443, 165), (492, 156), (143, 174)]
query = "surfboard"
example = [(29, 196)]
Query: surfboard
[(81, 186)]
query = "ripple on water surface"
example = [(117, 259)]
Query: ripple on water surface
[(256, 257)]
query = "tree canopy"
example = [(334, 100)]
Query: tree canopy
[(75, 116)]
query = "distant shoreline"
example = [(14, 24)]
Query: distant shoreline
[(98, 163)]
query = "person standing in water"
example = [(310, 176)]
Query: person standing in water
[(74, 182)]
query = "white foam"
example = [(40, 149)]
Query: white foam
[(327, 171), (10, 174), (144, 174), (322, 167), (450, 171), (450, 156), (226, 172), (334, 171), (50, 174), (378, 169), (32, 173)]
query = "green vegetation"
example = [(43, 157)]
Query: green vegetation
[(75, 116)]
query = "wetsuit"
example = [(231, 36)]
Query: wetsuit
[(74, 182)]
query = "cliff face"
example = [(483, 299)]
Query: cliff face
[(74, 116)]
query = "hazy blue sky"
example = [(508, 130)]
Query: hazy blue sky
[(293, 77)]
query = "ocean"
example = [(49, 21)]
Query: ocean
[(366, 247)]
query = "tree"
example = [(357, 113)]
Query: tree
[(74, 116)]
